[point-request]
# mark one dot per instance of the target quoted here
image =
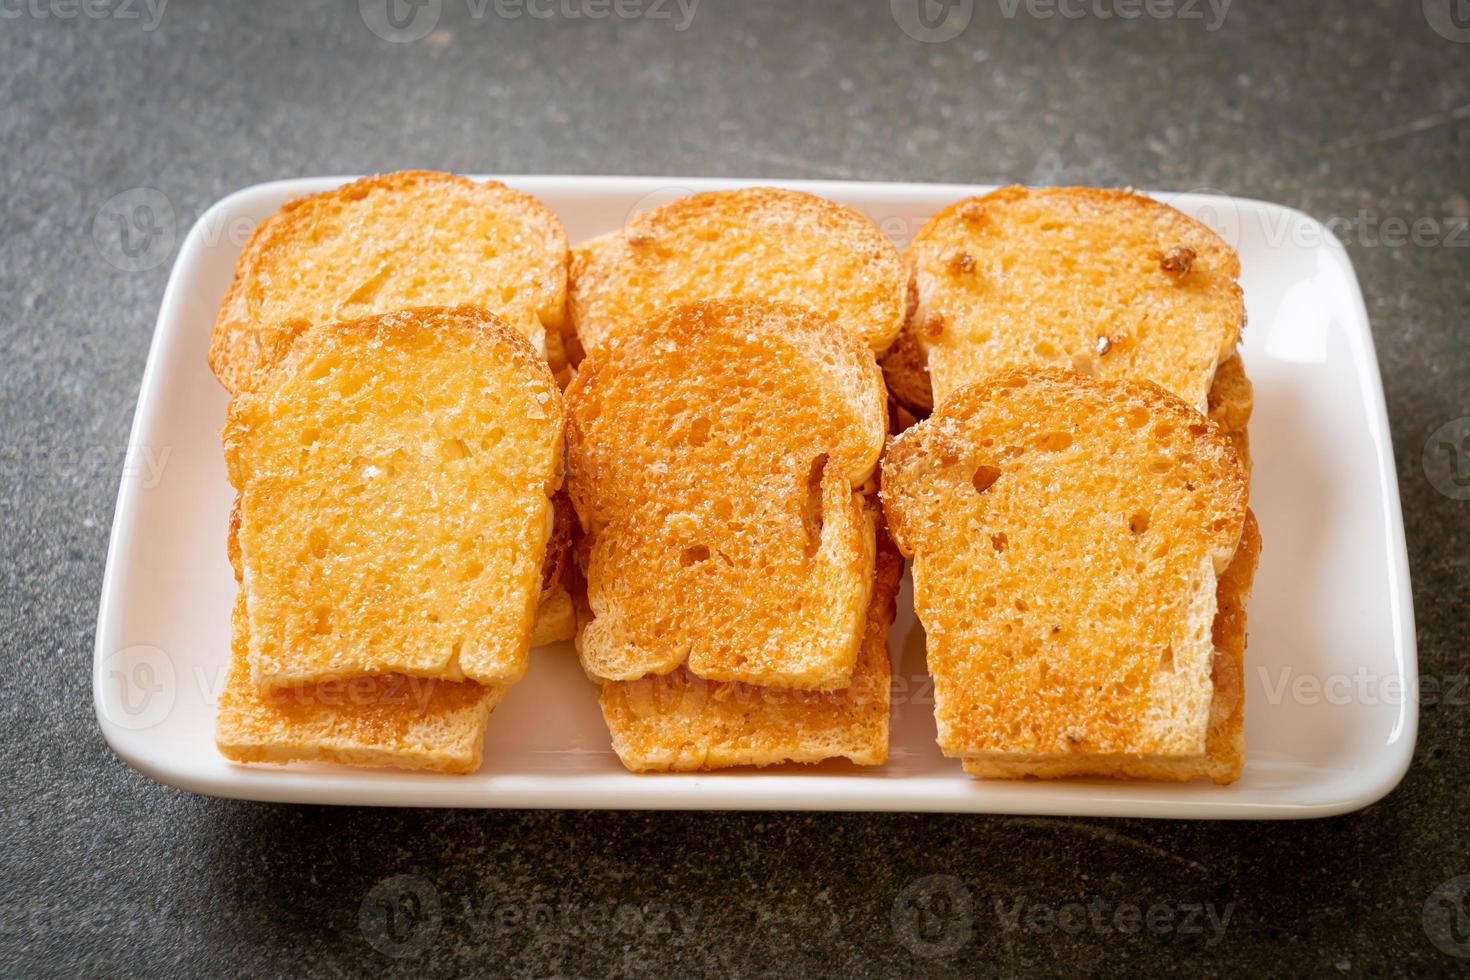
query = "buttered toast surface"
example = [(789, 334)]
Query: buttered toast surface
[(760, 243), (389, 720), (395, 478), (388, 243), (1109, 283), (679, 722), (1224, 753), (1067, 537), (716, 456)]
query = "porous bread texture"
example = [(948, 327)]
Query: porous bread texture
[(678, 722), (1066, 536), (899, 418), (391, 242), (716, 456), (1107, 282), (559, 545), (1224, 755), (556, 618), (1232, 396), (392, 720), (760, 243), (905, 374), (1231, 400), (395, 477)]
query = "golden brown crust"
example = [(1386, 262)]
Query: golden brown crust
[(1088, 278), (560, 542), (1232, 398), (388, 242), (410, 723), (232, 542), (899, 418), (1226, 751), (394, 477), (555, 617), (759, 243), (1224, 756), (1084, 561), (907, 375), (715, 457), (679, 722)]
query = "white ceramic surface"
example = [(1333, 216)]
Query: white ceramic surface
[(1331, 675)]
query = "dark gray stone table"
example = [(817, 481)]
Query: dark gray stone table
[(1359, 112)]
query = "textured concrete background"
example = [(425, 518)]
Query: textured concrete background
[(1359, 112)]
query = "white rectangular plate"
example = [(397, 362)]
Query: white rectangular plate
[(1331, 677)]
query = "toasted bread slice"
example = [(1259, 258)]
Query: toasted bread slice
[(679, 722), (556, 618), (906, 374), (385, 243), (899, 418), (1224, 755), (1067, 534), (716, 457), (395, 477), (761, 243), (1231, 400), (1110, 283), (392, 720)]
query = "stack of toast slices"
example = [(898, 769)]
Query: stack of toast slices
[(453, 439), (721, 458), (723, 435), (395, 439), (1075, 500)]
